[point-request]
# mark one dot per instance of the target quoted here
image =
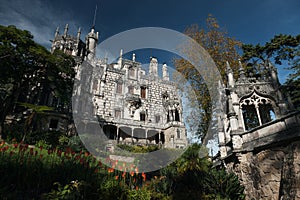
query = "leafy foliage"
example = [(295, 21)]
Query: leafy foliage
[(30, 73), (281, 48), (221, 48)]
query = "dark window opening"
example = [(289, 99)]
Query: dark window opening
[(162, 138), (142, 117), (95, 85), (177, 116), (250, 117), (143, 92), (168, 117), (178, 133)]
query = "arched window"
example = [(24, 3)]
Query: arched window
[(256, 111), (250, 117)]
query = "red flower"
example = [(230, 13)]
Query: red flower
[(31, 151), (131, 173), (15, 145), (110, 170), (116, 177), (124, 174), (49, 151), (41, 156), (144, 176), (41, 147)]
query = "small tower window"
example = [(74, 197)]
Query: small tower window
[(143, 92), (119, 88)]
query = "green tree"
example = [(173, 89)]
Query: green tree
[(221, 48), (281, 48), (29, 73)]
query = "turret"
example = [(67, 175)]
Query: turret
[(165, 72), (241, 71), (153, 66), (91, 43)]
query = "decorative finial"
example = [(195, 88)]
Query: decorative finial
[(133, 57)]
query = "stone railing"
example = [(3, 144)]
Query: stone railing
[(280, 129)]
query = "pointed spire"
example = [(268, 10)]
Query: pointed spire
[(66, 30), (57, 32), (78, 33), (241, 70)]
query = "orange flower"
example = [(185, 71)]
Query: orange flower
[(117, 177), (124, 174), (110, 170), (136, 170), (136, 188), (131, 173), (144, 176)]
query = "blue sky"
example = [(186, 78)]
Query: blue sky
[(253, 21)]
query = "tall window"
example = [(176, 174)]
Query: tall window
[(143, 92), (117, 114), (257, 111), (131, 72), (178, 133), (250, 117), (157, 119), (95, 85), (130, 89), (142, 117), (119, 88)]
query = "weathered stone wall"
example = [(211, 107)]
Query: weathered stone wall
[(272, 173)]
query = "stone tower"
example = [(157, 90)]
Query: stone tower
[(259, 134)]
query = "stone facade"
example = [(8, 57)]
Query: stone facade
[(131, 105), (259, 134)]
